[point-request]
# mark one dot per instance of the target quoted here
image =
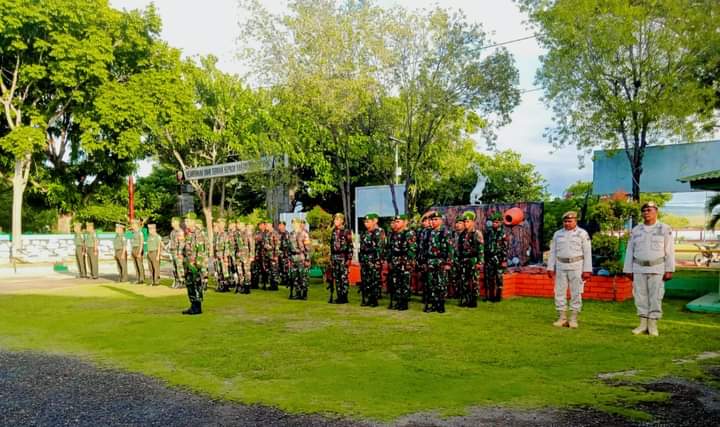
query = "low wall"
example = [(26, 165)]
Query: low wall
[(52, 247), (538, 284)]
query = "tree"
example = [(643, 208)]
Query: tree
[(324, 58), (508, 179), (54, 58), (621, 75), (445, 77)]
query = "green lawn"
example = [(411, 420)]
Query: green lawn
[(360, 362)]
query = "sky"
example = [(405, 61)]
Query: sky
[(213, 28)]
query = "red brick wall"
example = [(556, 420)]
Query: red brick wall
[(540, 285)]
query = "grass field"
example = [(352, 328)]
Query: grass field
[(360, 362)]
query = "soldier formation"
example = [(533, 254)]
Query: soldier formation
[(446, 263)]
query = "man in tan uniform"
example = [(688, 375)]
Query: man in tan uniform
[(91, 246), (120, 247), (137, 252), (570, 262), (80, 252), (650, 262), (154, 247)]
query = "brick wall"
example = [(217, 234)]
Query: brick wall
[(601, 288)]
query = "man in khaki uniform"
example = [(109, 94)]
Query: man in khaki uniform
[(120, 247), (80, 251), (154, 247), (650, 262), (91, 246), (137, 252), (570, 263)]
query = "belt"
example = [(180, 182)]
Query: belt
[(650, 263), (571, 260)]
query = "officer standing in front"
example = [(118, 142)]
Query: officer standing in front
[(341, 253), (372, 245), (120, 248), (570, 262), (650, 262)]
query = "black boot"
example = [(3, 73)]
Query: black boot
[(473, 302), (189, 309), (403, 306), (291, 296), (197, 308), (441, 307)]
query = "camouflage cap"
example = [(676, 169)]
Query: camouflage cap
[(496, 216), (469, 216)]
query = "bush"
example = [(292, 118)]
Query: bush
[(606, 252), (320, 223)]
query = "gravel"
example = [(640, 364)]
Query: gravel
[(48, 390)]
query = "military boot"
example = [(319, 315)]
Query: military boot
[(190, 309), (472, 302), (303, 295), (652, 327), (562, 319), (197, 308), (643, 328), (573, 323), (441, 307)]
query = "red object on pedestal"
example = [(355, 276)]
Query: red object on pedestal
[(513, 216)]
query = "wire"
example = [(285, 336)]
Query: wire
[(509, 42)]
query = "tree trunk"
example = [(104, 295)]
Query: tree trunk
[(222, 198), (20, 177), (207, 210)]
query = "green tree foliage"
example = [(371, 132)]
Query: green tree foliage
[(449, 87), (55, 58), (622, 75), (508, 180)]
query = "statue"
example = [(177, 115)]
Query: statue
[(477, 191)]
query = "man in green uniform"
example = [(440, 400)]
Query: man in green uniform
[(496, 248), (80, 250), (195, 262), (422, 240), (154, 246), (136, 244), (120, 248), (454, 286), (283, 268), (244, 244), (439, 253), (256, 267), (91, 246), (372, 247), (231, 235), (176, 253), (299, 252), (401, 247), (220, 259), (341, 252), (470, 261)]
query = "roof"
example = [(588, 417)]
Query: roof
[(704, 181)]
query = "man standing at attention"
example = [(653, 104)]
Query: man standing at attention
[(80, 250), (570, 262), (91, 247), (341, 252), (650, 262), (154, 246), (120, 248)]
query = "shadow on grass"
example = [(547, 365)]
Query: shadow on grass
[(124, 292)]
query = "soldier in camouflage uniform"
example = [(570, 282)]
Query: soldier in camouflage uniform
[(400, 255), (439, 253), (299, 252), (194, 255), (220, 264), (470, 261), (230, 235), (256, 264), (270, 245), (496, 248), (421, 265), (244, 244), (283, 268), (372, 247), (341, 252), (175, 251), (455, 273), (201, 236)]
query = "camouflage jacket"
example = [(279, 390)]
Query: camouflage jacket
[(496, 246), (221, 244), (341, 244), (267, 245), (422, 241), (243, 244), (283, 244), (439, 249), (401, 248), (299, 246), (372, 245), (194, 252), (470, 246)]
